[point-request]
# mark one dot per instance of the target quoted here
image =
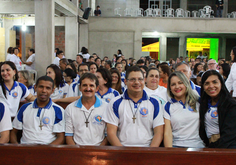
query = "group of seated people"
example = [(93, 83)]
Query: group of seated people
[(140, 104)]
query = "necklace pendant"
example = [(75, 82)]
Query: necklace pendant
[(134, 119), (40, 126), (86, 123)]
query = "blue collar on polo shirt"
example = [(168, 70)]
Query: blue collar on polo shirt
[(175, 101), (13, 87), (109, 91), (98, 102), (209, 104), (144, 97), (48, 106)]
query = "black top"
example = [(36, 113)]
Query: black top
[(219, 2), (227, 125), (97, 12)]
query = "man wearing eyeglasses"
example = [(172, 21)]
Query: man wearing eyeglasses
[(212, 65), (134, 118)]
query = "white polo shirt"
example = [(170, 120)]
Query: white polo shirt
[(160, 93), (29, 118), (16, 60), (56, 61), (8, 57), (5, 118), (18, 92), (31, 90), (31, 59), (75, 122), (110, 94), (149, 115), (211, 120), (74, 90), (184, 124), (59, 92)]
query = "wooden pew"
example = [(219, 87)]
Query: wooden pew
[(105, 155)]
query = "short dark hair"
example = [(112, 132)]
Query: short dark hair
[(108, 62), (144, 67), (91, 57), (165, 69), (15, 49), (150, 69), (97, 59), (106, 75), (118, 63), (90, 76), (70, 73), (133, 69), (32, 50), (140, 61), (83, 64), (64, 60), (45, 78), (59, 52)]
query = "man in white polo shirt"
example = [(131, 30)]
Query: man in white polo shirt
[(84, 124), (41, 121), (134, 118)]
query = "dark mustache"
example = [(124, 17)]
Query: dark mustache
[(88, 91)]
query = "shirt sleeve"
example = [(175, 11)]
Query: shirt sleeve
[(111, 114), (25, 91), (69, 123), (158, 112), (5, 123), (59, 124), (167, 111)]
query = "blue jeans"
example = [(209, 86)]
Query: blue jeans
[(219, 12)]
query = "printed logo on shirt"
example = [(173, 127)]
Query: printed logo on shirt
[(144, 111), (46, 120), (60, 91), (214, 114), (108, 100), (163, 102), (14, 94), (98, 120)]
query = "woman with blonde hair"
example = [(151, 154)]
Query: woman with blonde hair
[(25, 77), (181, 114)]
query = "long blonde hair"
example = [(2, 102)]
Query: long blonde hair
[(191, 96)]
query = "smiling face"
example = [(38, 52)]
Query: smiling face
[(119, 67), (135, 82), (212, 86), (7, 72), (152, 79), (88, 88), (177, 88)]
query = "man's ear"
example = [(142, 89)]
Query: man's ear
[(125, 81)]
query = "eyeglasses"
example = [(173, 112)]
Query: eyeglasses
[(134, 80)]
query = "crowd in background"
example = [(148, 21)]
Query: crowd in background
[(177, 85)]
